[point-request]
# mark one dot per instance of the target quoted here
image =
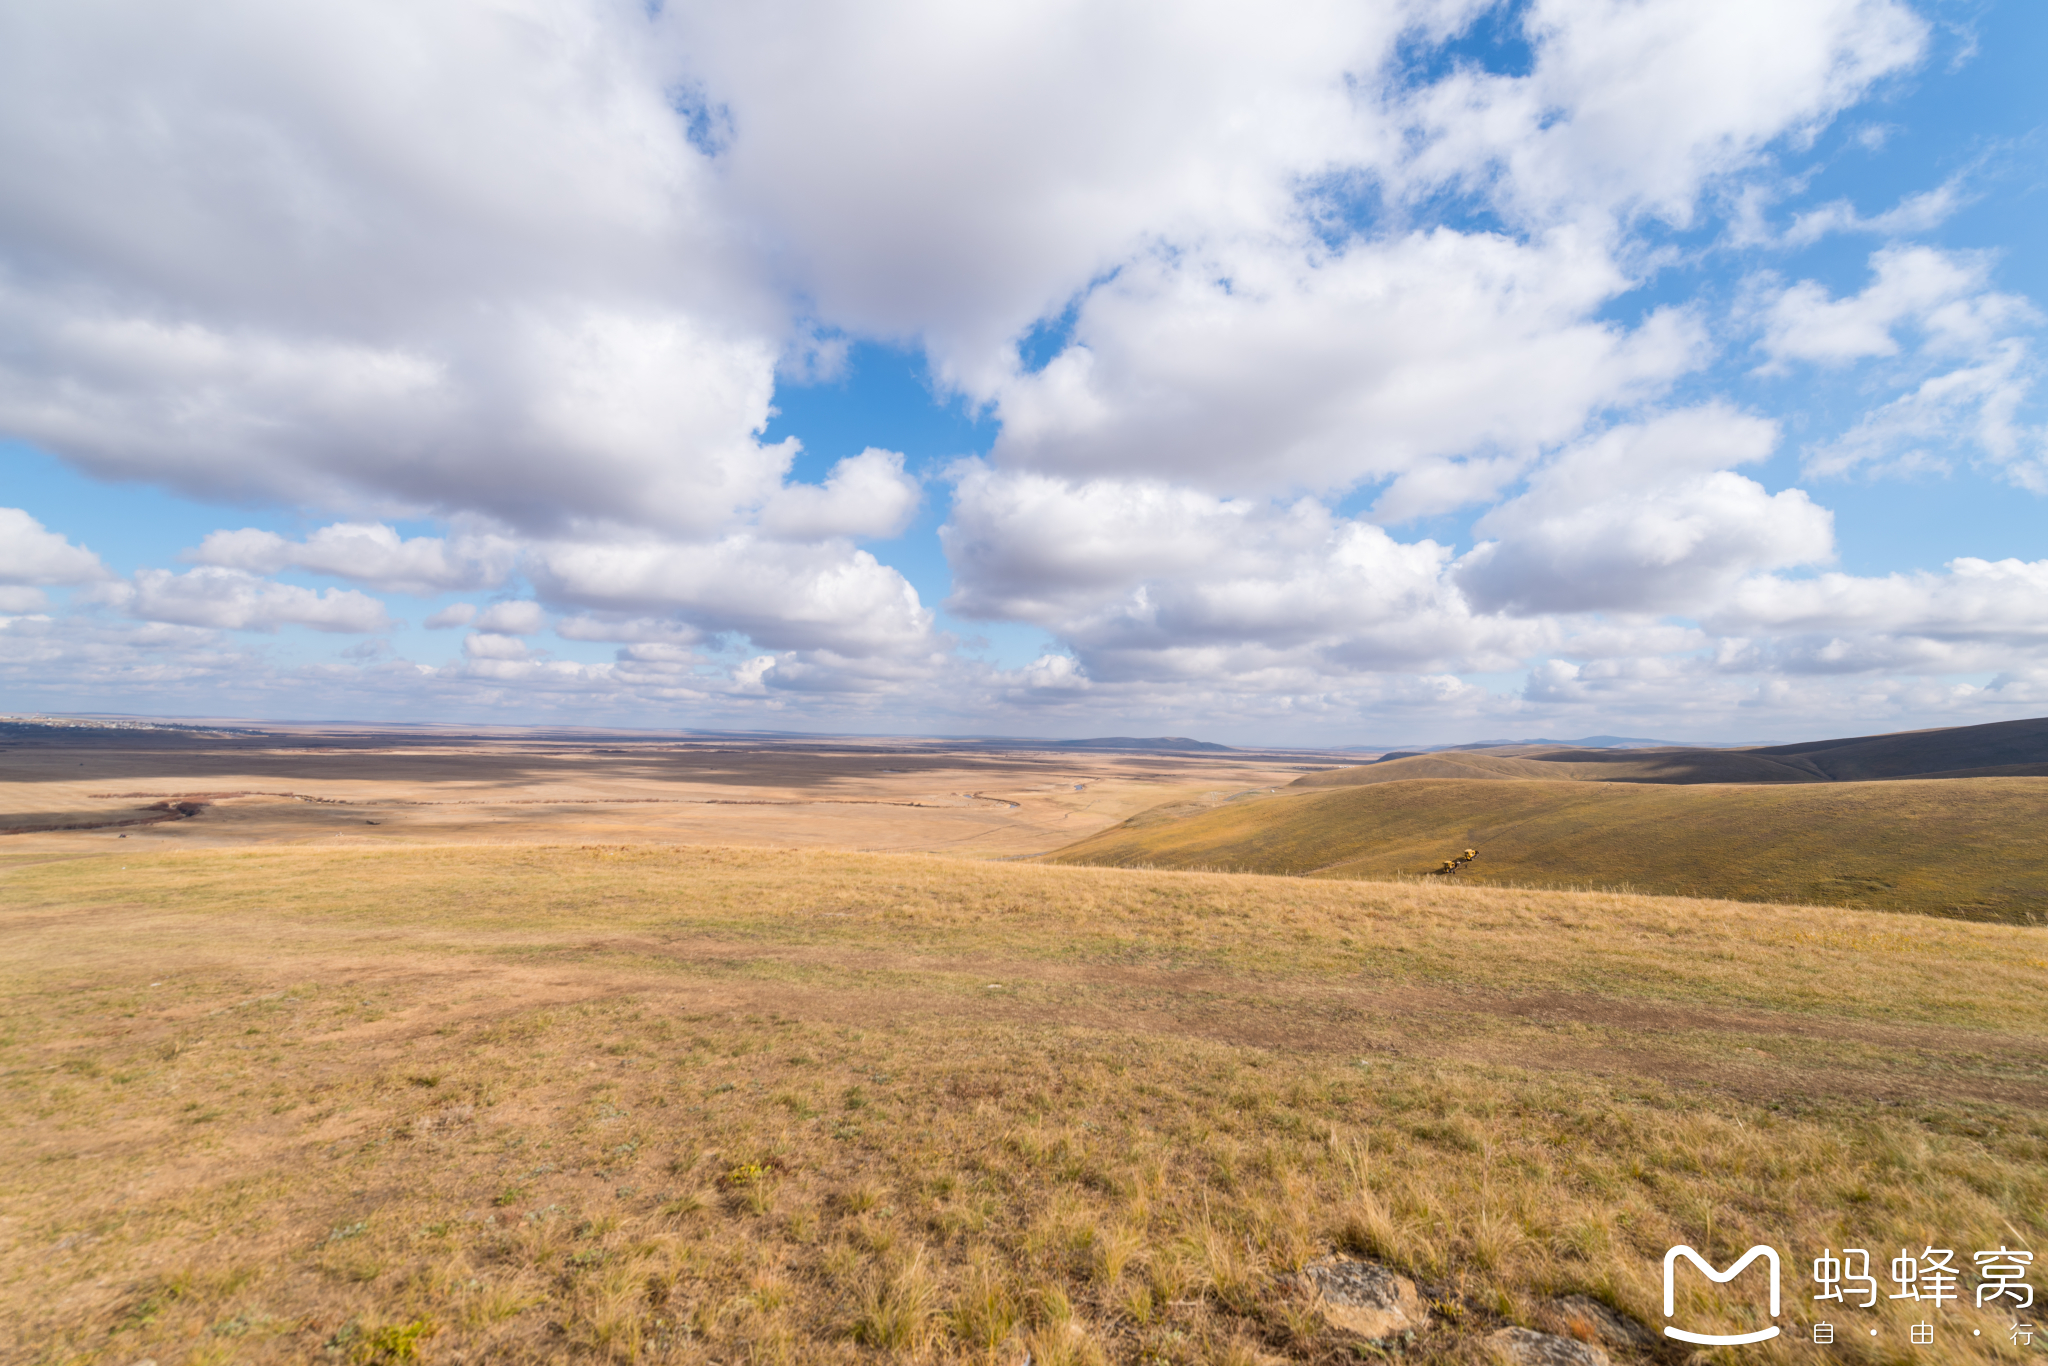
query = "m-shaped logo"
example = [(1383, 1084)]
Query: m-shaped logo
[(1769, 1254)]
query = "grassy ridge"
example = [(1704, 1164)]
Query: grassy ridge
[(1580, 765), (2003, 749), (1976, 848)]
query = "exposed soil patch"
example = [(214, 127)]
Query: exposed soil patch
[(175, 809)]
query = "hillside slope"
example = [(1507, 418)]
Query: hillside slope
[(1577, 765), (1970, 847), (2003, 745), (2002, 749)]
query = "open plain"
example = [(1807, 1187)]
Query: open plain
[(379, 786), (678, 1055)]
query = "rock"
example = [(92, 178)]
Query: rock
[(1365, 1298), (1610, 1325), (1527, 1347)]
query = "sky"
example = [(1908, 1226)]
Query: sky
[(1306, 373)]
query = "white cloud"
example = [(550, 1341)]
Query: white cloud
[(1978, 403), (481, 645), (1996, 601), (1644, 518), (956, 171), (1633, 107), (1261, 371), (1147, 580), (372, 554), (865, 495), (1944, 297), (1077, 141), (636, 631), (520, 617), (1942, 293), (383, 256), (418, 259), (1911, 216), (59, 656), (825, 596), (32, 554), (536, 420), (230, 599)]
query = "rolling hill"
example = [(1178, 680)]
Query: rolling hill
[(2009, 749), (1852, 822)]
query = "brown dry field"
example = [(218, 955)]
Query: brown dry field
[(367, 786), (551, 1079)]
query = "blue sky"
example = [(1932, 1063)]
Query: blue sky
[(1441, 371)]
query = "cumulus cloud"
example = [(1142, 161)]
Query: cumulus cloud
[(372, 554), (1148, 580), (1633, 108), (1259, 372), (519, 617), (1971, 600), (867, 495), (533, 270), (1960, 322), (487, 645), (1077, 140), (825, 596), (497, 285), (1944, 294), (1644, 518), (32, 554), (230, 599), (1070, 137), (1974, 616)]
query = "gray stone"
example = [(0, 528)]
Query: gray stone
[(1365, 1298), (1610, 1325), (1527, 1347)]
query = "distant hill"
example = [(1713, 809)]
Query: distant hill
[(1585, 765), (1975, 847), (1589, 742), (2001, 749), (1176, 743), (1945, 822), (1584, 742)]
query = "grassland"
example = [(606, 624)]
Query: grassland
[(353, 785), (1975, 848), (2002, 749), (489, 1104)]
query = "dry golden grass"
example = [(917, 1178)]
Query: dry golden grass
[(700, 1105), (1970, 847), (364, 786)]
